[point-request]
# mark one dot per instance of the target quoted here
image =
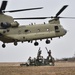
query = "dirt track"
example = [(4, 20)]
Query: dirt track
[(65, 68)]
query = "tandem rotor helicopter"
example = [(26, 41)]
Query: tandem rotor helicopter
[(11, 32)]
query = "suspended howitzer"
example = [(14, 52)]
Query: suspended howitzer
[(40, 60)]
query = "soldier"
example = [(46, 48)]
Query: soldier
[(50, 59), (29, 61), (39, 54), (49, 53)]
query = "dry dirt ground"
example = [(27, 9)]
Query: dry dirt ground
[(60, 68)]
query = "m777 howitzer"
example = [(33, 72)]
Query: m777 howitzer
[(39, 60)]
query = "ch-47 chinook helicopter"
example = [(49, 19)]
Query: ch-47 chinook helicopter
[(11, 32)]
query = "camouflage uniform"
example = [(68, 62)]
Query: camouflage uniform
[(50, 58), (39, 54), (29, 61)]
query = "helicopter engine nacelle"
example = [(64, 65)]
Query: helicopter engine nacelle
[(5, 25), (14, 24)]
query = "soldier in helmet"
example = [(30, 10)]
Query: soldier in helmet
[(39, 54), (29, 61), (50, 59), (49, 53)]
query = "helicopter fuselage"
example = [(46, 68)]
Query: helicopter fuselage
[(31, 32), (12, 32)]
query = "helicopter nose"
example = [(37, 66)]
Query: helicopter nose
[(65, 31)]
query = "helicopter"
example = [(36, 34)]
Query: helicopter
[(11, 32)]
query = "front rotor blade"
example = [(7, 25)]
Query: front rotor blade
[(61, 10), (4, 4), (24, 9)]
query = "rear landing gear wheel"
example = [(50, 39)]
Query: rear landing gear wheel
[(3, 45), (36, 43), (47, 41)]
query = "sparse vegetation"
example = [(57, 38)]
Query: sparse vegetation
[(60, 68)]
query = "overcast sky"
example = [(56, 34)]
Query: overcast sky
[(63, 47)]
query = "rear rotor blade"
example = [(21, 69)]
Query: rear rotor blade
[(4, 4), (67, 17), (24, 9), (61, 10)]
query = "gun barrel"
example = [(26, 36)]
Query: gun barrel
[(46, 49)]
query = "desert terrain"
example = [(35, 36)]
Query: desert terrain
[(60, 68)]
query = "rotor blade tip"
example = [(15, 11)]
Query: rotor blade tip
[(66, 5)]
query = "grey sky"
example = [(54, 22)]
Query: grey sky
[(63, 47)]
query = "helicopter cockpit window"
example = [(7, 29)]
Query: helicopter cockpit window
[(56, 29)]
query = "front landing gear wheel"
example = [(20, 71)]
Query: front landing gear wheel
[(15, 43), (36, 43), (47, 41), (3, 45)]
